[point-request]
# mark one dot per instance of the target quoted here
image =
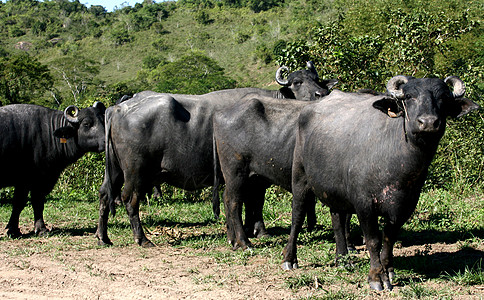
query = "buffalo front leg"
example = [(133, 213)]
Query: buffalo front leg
[(299, 203), (19, 202), (37, 200), (390, 233), (131, 202), (378, 276)]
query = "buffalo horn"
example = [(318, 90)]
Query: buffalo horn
[(311, 67), (279, 78), (457, 85), (70, 113), (393, 86)]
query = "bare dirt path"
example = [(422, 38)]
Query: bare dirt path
[(30, 271)]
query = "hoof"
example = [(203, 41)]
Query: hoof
[(352, 249), (147, 244), (104, 243), (44, 232), (287, 266), (374, 285), (391, 277), (14, 234), (261, 234)]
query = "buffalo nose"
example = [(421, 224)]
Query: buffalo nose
[(428, 123)]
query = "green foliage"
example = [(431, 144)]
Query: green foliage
[(23, 79), (192, 74), (120, 35), (470, 276), (77, 73), (362, 43), (203, 18), (410, 40)]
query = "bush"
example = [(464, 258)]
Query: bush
[(192, 74)]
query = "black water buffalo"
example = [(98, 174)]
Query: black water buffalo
[(36, 145), (370, 155), (154, 138), (255, 141)]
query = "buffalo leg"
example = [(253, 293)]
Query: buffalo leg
[(390, 233), (349, 244), (131, 198), (102, 225), (339, 222), (233, 197), (311, 213), (299, 203), (377, 275), (229, 223), (19, 202), (37, 198), (254, 205)]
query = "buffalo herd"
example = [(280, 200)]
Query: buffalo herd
[(358, 153)]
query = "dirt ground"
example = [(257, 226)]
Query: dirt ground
[(164, 272)]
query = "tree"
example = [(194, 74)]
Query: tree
[(77, 73), (192, 74), (23, 79)]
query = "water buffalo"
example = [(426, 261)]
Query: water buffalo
[(255, 141), (154, 138), (37, 144), (369, 155)]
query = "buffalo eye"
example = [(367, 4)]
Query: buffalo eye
[(87, 124)]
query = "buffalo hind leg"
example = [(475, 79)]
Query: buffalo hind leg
[(339, 222), (19, 202), (254, 198), (233, 199), (131, 198), (102, 225)]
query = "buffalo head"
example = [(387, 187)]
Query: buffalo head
[(304, 84), (85, 127)]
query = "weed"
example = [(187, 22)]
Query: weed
[(470, 276)]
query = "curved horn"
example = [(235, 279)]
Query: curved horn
[(279, 78), (393, 86), (311, 67), (70, 113), (457, 85)]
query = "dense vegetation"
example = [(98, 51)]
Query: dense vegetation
[(60, 52)]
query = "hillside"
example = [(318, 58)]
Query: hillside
[(59, 52)]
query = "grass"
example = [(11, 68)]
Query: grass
[(185, 220)]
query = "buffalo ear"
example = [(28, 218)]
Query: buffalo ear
[(389, 106), (329, 83), (65, 132), (461, 106)]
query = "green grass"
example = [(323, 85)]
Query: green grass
[(182, 219)]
